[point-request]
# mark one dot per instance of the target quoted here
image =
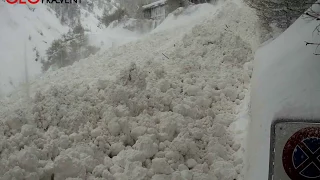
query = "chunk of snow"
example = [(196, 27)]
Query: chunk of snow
[(191, 163), (160, 166)]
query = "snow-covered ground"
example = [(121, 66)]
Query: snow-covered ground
[(285, 84), (36, 26), (167, 106)]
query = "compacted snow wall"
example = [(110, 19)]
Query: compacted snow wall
[(285, 83)]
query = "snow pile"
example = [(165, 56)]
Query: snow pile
[(140, 111), (285, 84)]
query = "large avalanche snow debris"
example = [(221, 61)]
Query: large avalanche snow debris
[(133, 114)]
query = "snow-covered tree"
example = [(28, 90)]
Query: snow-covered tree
[(78, 29), (72, 47), (69, 14), (281, 13), (57, 55), (314, 14), (109, 18)]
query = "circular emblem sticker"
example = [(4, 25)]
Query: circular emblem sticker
[(301, 154)]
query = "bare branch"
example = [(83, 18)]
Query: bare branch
[(316, 29), (309, 43), (313, 16), (316, 50), (165, 56), (313, 3), (315, 44)]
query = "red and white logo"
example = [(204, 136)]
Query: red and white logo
[(42, 1), (23, 1)]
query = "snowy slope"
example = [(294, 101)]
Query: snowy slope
[(285, 84), (90, 19), (40, 22), (17, 24), (157, 108)]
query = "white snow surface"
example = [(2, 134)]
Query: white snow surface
[(285, 84), (17, 24), (163, 108)]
